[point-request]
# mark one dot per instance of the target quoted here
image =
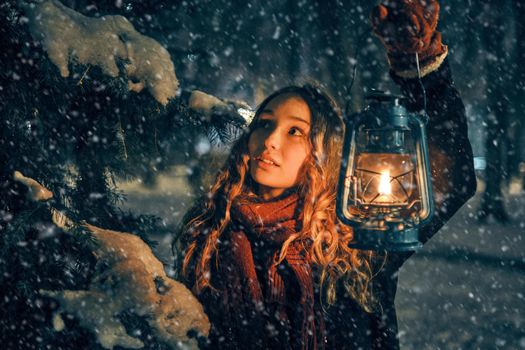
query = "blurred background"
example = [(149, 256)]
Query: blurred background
[(465, 289), (245, 50)]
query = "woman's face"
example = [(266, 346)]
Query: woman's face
[(279, 144)]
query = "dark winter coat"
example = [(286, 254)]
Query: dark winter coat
[(453, 181), (250, 309)]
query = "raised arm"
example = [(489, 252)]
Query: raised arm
[(453, 178), (408, 31), (407, 27)]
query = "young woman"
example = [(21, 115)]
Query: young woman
[(264, 251)]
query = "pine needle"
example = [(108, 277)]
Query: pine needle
[(121, 137), (81, 81)]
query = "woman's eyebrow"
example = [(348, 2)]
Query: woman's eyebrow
[(299, 119), (269, 111)]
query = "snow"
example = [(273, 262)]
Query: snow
[(205, 103), (463, 290), (68, 36), (128, 277), (129, 282)]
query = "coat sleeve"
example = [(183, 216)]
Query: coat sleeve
[(454, 182), (450, 152)]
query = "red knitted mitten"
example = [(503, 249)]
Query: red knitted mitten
[(406, 27)]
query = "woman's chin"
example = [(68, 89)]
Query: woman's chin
[(265, 183)]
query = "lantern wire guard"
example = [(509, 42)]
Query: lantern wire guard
[(389, 185)]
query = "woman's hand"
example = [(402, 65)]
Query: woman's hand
[(407, 27)]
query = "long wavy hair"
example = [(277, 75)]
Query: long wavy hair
[(203, 225)]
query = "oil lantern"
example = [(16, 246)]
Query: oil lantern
[(385, 189)]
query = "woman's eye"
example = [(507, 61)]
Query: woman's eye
[(296, 132)]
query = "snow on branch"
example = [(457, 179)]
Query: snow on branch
[(129, 278), (35, 191), (69, 36)]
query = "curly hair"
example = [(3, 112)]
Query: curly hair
[(203, 225)]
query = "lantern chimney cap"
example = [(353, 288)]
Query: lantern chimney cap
[(381, 96)]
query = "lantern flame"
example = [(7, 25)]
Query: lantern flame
[(384, 184)]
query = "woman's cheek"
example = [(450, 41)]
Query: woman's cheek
[(256, 142)]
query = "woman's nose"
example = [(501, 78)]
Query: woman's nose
[(273, 140)]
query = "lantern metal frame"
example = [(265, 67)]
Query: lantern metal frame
[(386, 112)]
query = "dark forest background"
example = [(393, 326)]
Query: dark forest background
[(245, 50)]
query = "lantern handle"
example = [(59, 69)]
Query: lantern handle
[(360, 38), (423, 156), (347, 163), (423, 91)]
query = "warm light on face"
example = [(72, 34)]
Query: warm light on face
[(384, 184), (280, 135)]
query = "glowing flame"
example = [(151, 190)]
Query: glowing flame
[(384, 184)]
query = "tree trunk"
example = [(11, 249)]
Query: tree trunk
[(519, 83), (496, 117)]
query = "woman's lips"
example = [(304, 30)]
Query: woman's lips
[(265, 164)]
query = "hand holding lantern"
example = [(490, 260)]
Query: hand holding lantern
[(407, 27), (385, 192)]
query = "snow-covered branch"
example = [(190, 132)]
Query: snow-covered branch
[(70, 37), (129, 278)]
